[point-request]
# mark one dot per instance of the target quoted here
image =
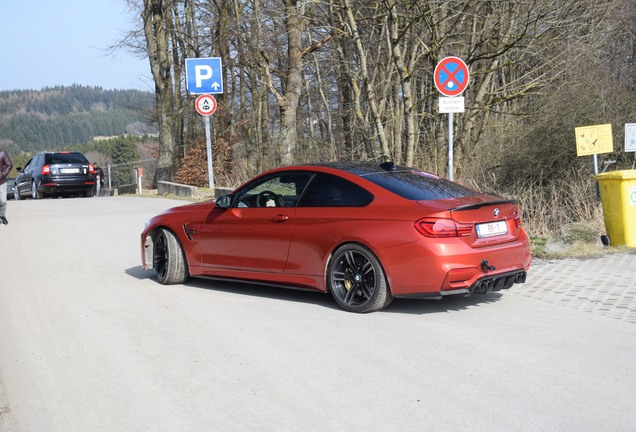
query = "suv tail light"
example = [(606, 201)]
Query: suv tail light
[(91, 169), (442, 228), (46, 170)]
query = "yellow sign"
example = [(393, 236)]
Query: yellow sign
[(594, 140)]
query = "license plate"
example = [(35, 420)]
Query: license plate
[(491, 229), (69, 170)]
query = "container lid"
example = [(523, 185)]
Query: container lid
[(617, 175)]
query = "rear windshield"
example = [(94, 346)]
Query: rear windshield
[(56, 158), (418, 185)]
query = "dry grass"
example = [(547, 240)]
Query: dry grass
[(548, 205), (546, 209)]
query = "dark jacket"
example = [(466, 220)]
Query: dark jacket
[(5, 166)]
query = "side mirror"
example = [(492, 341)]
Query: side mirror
[(224, 202)]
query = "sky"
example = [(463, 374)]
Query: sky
[(47, 43)]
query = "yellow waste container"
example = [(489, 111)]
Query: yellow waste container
[(618, 197)]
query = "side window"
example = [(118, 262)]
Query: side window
[(28, 166), (279, 190), (327, 190)]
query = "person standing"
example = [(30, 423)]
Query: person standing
[(99, 180), (5, 168)]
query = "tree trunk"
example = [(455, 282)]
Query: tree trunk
[(161, 68), (293, 81), (405, 81), (368, 86)]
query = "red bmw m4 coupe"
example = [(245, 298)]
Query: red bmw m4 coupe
[(365, 232)]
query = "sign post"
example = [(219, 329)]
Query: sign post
[(204, 76), (451, 78), (139, 173), (206, 105)]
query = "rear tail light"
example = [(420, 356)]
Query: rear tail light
[(91, 169), (442, 228), (46, 170), (517, 219)]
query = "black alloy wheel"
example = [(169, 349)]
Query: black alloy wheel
[(357, 281), (169, 259)]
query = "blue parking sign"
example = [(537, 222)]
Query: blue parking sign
[(204, 75)]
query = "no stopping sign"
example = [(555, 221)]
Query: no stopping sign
[(451, 76)]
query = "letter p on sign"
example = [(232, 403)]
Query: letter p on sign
[(201, 73)]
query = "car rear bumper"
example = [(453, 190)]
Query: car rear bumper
[(425, 269), (482, 285), (61, 185)]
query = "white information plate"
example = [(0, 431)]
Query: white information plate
[(451, 104), (69, 170), (491, 229), (630, 137)]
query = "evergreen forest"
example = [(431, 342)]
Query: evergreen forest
[(66, 117)]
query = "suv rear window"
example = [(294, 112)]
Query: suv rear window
[(56, 158), (418, 185)]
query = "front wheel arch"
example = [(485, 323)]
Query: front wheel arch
[(356, 279)]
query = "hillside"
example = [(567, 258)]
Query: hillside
[(60, 117)]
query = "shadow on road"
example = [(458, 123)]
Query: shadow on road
[(403, 306), (138, 272), (446, 304)]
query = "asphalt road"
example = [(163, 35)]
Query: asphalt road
[(90, 342)]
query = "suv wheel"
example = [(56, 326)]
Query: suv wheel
[(34, 191)]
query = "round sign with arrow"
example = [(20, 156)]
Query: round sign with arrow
[(205, 105), (451, 76)]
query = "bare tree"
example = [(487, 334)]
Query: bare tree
[(156, 19), (354, 78)]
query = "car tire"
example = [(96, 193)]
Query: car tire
[(356, 279), (169, 260), (34, 191)]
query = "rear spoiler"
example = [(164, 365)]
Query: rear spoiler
[(484, 204)]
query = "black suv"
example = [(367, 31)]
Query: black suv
[(55, 174)]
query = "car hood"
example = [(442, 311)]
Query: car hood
[(184, 212)]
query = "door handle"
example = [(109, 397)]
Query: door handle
[(279, 218)]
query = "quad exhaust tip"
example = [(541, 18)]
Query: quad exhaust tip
[(497, 283)]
